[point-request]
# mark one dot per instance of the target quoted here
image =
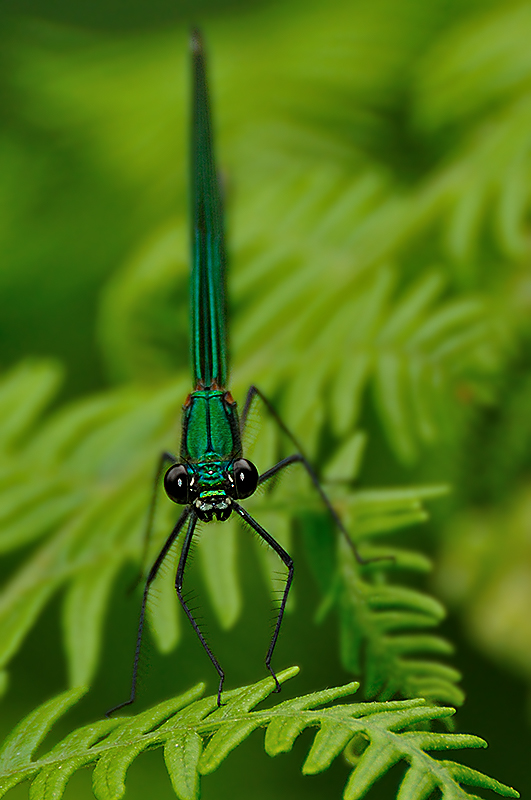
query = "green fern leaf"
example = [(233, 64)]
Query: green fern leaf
[(100, 524), (182, 755), (183, 725), (84, 615), (16, 751), (383, 624), (24, 392)]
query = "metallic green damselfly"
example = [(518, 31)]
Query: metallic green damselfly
[(211, 476)]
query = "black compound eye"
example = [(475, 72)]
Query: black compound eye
[(176, 483), (245, 478)]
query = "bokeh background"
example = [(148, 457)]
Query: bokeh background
[(376, 163)]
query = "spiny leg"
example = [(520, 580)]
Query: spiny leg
[(151, 577), (300, 458), (165, 460), (288, 561), (178, 589)]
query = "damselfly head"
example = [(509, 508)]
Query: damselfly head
[(211, 486), (204, 486)]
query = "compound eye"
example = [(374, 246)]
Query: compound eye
[(176, 483), (245, 478)]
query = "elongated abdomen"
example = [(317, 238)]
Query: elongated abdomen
[(208, 328)]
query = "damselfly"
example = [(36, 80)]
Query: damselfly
[(211, 476)]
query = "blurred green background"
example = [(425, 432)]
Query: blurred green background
[(375, 155)]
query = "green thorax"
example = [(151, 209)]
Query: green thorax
[(211, 431)]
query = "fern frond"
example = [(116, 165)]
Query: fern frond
[(412, 348), (197, 737), (384, 625), (98, 453), (89, 502), (24, 392)]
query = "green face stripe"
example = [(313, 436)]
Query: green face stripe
[(208, 334)]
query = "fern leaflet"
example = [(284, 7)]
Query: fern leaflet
[(197, 736)]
